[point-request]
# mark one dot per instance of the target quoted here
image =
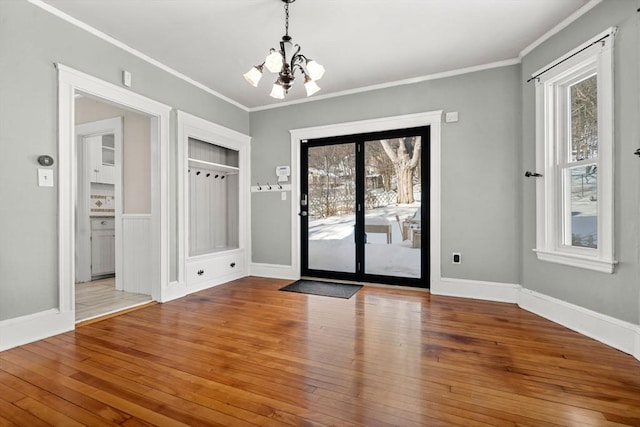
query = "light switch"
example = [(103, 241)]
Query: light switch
[(451, 117), (45, 177), (283, 195)]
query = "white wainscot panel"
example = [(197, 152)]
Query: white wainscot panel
[(137, 268)]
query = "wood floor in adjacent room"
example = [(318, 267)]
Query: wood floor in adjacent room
[(245, 353)]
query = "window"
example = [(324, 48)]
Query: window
[(574, 143)]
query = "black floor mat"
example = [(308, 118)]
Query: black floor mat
[(327, 289)]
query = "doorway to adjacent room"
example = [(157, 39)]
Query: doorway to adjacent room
[(361, 207)]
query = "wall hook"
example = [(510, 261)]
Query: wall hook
[(279, 186), (269, 186), (259, 186), (208, 175), (216, 176), (223, 176), (637, 152), (532, 174), (198, 173)]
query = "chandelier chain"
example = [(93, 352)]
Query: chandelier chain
[(286, 21)]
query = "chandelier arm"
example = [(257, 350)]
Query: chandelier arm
[(300, 67), (295, 57)]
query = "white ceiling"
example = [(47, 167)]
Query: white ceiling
[(361, 43)]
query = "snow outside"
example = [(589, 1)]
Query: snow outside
[(392, 207)]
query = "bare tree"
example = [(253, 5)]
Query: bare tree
[(379, 162), (332, 180), (584, 119), (405, 156)]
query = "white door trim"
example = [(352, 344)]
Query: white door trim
[(71, 81), (432, 119)]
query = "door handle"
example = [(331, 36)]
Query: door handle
[(303, 213)]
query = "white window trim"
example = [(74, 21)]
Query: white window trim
[(597, 57)]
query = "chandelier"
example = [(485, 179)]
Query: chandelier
[(285, 62)]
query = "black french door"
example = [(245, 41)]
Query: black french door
[(364, 207)]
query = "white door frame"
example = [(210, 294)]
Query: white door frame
[(70, 82), (432, 119), (102, 127)]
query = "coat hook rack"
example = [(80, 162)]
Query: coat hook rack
[(270, 188), (532, 174)]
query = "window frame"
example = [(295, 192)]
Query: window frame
[(553, 124)]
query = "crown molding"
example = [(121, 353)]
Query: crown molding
[(436, 76), (94, 31), (561, 26)]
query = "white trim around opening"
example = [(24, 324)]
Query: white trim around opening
[(432, 119), (71, 82)]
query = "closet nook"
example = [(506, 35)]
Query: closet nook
[(213, 198), (214, 204)]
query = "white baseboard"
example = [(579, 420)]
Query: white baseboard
[(217, 282), (616, 333), (175, 290), (608, 330), (33, 327), (488, 291), (274, 271)]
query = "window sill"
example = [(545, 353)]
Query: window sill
[(588, 263)]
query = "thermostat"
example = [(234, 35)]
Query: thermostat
[(283, 172), (45, 160)]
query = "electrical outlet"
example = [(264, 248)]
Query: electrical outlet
[(456, 258)]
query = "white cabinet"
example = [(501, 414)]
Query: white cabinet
[(215, 268), (101, 158), (103, 247)]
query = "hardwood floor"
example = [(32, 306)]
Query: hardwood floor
[(246, 354), (100, 297)]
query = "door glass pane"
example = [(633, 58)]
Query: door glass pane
[(584, 119), (584, 206), (393, 229), (331, 198)]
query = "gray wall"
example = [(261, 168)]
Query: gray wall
[(31, 41), (617, 294), (480, 166), (487, 206)]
